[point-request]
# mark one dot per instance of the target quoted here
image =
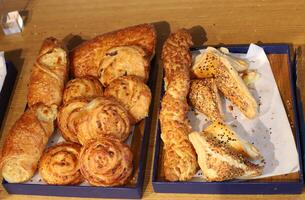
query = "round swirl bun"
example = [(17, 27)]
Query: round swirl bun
[(123, 60), (59, 165), (106, 162), (82, 87), (133, 94), (66, 116), (102, 117)]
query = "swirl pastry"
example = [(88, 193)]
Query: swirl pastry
[(133, 94), (86, 58), (87, 87), (25, 143), (66, 118), (59, 165), (106, 162), (102, 117), (49, 74), (123, 60)]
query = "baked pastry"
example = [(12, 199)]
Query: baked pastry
[(102, 117), (225, 134), (106, 162), (25, 143), (48, 75), (231, 85), (133, 94), (87, 87), (176, 56), (204, 98), (219, 162), (86, 58), (66, 117), (123, 60), (59, 164), (179, 161)]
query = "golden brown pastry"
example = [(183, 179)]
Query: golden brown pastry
[(87, 87), (225, 134), (106, 162), (102, 117), (66, 118), (218, 161), (180, 162), (49, 74), (86, 58), (25, 143), (133, 94), (204, 98), (123, 60), (59, 164)]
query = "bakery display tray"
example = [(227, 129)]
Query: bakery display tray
[(139, 147), (289, 184)]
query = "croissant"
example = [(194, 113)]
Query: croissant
[(106, 162), (66, 117), (86, 58), (123, 60), (59, 164), (102, 117), (49, 74), (25, 143), (87, 87), (133, 94)]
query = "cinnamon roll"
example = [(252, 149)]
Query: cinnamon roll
[(102, 117), (66, 116), (133, 94), (106, 162), (82, 87), (59, 165)]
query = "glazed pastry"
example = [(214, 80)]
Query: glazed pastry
[(87, 87), (25, 143), (204, 98), (66, 117), (86, 58), (59, 164), (102, 117), (225, 134), (123, 60), (48, 75), (219, 162), (106, 162), (133, 94), (180, 162)]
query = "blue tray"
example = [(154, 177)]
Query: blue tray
[(129, 192), (236, 187)]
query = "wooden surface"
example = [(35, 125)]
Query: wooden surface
[(211, 21)]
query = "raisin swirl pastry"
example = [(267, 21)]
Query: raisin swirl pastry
[(106, 162), (102, 117), (59, 165), (66, 118), (133, 94), (87, 87)]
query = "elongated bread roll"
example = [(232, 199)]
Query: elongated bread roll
[(85, 87), (133, 94), (106, 162), (49, 74), (204, 98), (86, 58), (219, 162), (25, 143), (59, 164)]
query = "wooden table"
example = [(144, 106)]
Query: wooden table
[(213, 21)]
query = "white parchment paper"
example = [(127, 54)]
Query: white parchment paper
[(270, 131)]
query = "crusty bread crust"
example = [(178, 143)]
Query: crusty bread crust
[(85, 59)]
